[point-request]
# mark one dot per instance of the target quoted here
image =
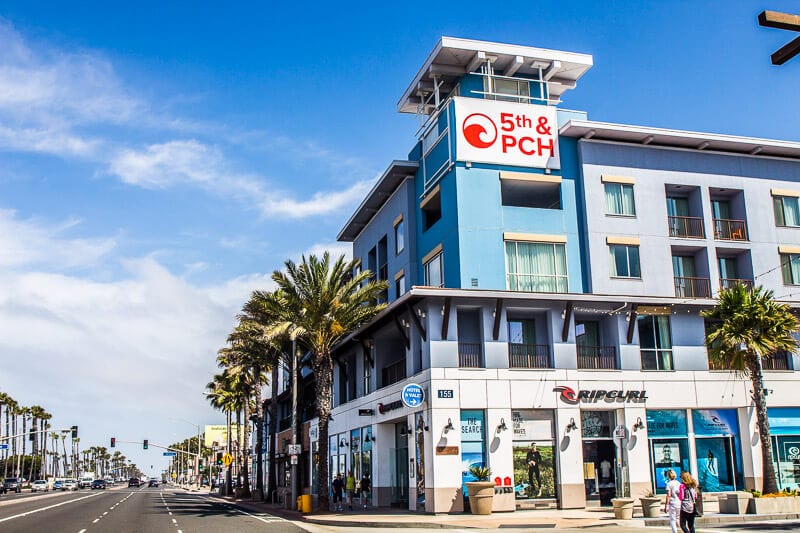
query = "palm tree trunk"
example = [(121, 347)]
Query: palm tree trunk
[(272, 431), (323, 372), (770, 484), (246, 441), (228, 473)]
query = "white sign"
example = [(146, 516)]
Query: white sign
[(295, 449), (313, 432), (293, 460), (506, 133), (620, 432)]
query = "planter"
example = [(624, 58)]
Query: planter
[(623, 508), (734, 502), (651, 506), (781, 505), (481, 495)]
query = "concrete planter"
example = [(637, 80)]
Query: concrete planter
[(782, 505), (734, 502), (481, 496), (651, 506), (623, 508)]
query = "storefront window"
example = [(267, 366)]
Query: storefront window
[(534, 454), (719, 460), (355, 453), (669, 445), (784, 426), (472, 444), (419, 440), (366, 451)]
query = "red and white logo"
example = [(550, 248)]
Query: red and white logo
[(567, 394), (479, 130)]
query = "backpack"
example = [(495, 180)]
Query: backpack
[(688, 499)]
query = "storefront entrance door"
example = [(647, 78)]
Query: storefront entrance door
[(599, 456), (399, 466)]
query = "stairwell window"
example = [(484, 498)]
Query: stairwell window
[(787, 211), (620, 200), (536, 266)]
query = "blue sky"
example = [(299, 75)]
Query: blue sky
[(157, 162)]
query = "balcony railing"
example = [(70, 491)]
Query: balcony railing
[(393, 373), (597, 357), (470, 355), (528, 355), (692, 287), (691, 227), (777, 361), (730, 230), (729, 283)]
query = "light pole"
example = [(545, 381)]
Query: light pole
[(197, 457)]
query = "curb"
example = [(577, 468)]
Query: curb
[(726, 519)]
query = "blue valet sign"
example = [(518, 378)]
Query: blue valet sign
[(413, 395)]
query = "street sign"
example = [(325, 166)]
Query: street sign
[(3, 446), (293, 459), (174, 475), (620, 432), (170, 454), (227, 459), (295, 449)]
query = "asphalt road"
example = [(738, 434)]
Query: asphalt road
[(134, 510)]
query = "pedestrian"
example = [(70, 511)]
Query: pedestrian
[(672, 505), (338, 486), (365, 489), (691, 502), (350, 487)]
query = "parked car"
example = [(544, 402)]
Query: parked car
[(71, 484), (99, 484), (133, 482), (58, 485), (40, 485), (12, 484)]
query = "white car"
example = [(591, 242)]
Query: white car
[(40, 485), (71, 484)]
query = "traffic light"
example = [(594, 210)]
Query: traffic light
[(113, 442), (74, 430), (219, 458), (144, 444)]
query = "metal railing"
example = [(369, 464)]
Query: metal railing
[(470, 355), (528, 355), (692, 287), (730, 230), (729, 283), (597, 357), (393, 373), (777, 361), (691, 227)]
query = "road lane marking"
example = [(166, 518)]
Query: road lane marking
[(46, 508), (96, 520), (174, 521), (105, 513), (82, 531)]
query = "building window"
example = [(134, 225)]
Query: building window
[(368, 358), (624, 261), (619, 199), (539, 195), (787, 211), (655, 342), (434, 272), (431, 208), (790, 268), (399, 286), (399, 237), (536, 266), (508, 90)]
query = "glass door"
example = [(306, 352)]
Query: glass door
[(399, 466)]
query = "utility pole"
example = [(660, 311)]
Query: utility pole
[(295, 487)]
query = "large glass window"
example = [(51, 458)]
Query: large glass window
[(619, 199), (669, 445), (536, 266), (787, 211), (625, 261), (655, 342), (434, 273), (784, 427), (399, 237), (534, 454), (473, 451), (790, 268), (719, 461)]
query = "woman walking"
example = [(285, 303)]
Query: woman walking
[(691, 502), (672, 505)]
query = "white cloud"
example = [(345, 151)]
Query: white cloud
[(335, 248)]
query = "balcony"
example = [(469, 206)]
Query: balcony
[(393, 373), (528, 355), (470, 355), (689, 227), (729, 283), (777, 361), (597, 357), (692, 287), (730, 230)]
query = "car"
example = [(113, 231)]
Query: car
[(133, 482), (58, 485), (12, 484), (40, 485), (71, 484), (99, 484), (153, 483)]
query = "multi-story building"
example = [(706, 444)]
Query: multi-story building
[(546, 275)]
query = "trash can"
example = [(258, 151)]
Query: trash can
[(305, 503)]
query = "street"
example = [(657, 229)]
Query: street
[(122, 510)]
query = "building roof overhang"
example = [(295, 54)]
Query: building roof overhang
[(660, 137), (452, 58), (377, 196)]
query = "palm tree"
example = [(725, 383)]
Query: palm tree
[(220, 394), (318, 304), (745, 326), (6, 401)]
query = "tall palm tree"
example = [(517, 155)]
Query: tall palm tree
[(221, 396), (319, 303), (6, 401), (746, 325)]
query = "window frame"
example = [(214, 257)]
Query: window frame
[(426, 269), (401, 280), (557, 277), (655, 350), (785, 260), (620, 185), (614, 273), (399, 237), (781, 199)]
